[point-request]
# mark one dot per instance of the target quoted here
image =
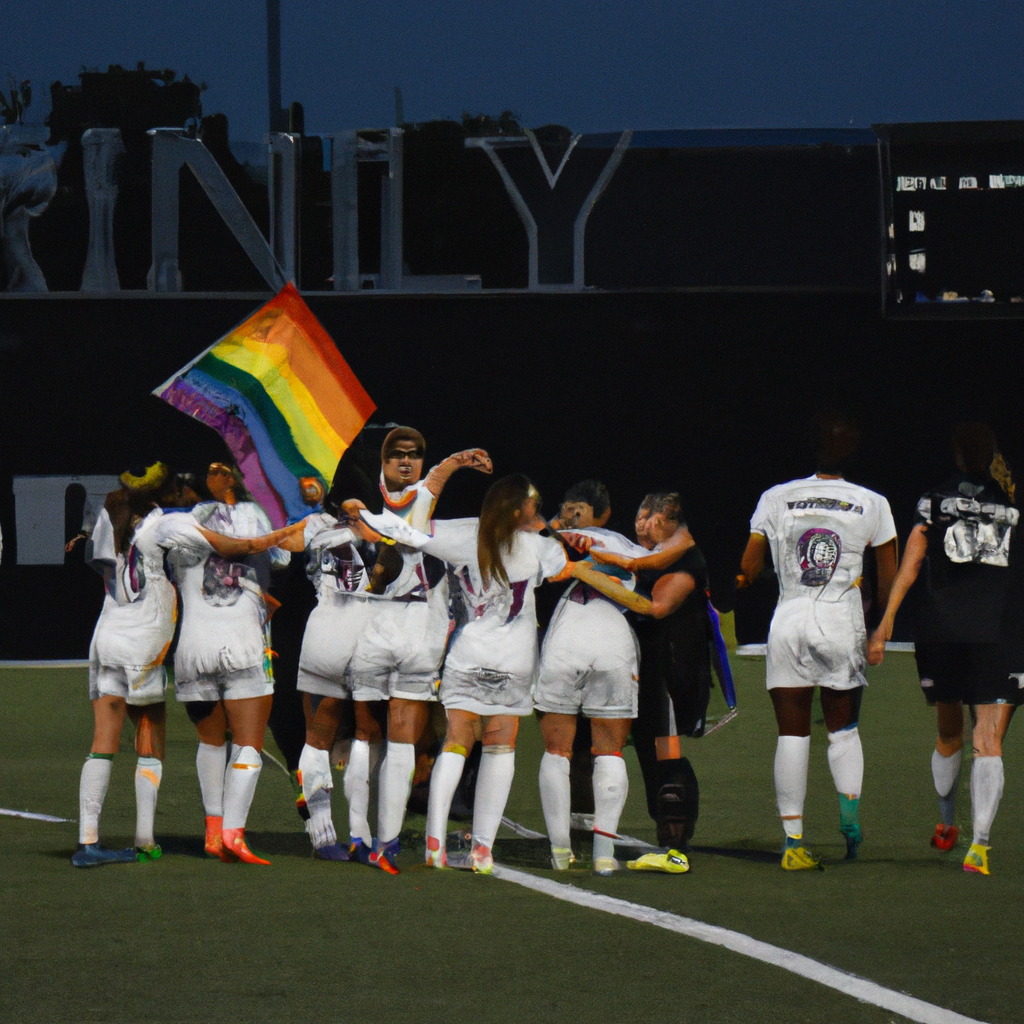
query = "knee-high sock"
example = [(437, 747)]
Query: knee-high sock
[(611, 785), (315, 766), (395, 786), (92, 790), (243, 773), (211, 764), (357, 791), (792, 754), (846, 760), (444, 780), (492, 788), (556, 798), (986, 792), (946, 775), (148, 773)]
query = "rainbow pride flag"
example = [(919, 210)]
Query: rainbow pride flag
[(282, 397)]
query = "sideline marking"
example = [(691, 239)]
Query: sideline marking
[(31, 816), (849, 984)]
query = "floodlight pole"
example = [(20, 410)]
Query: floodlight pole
[(277, 120)]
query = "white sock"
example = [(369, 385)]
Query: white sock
[(92, 790), (357, 791), (317, 783), (444, 780), (946, 775), (846, 759), (321, 824), (211, 764), (243, 773), (611, 785), (148, 773), (792, 754), (555, 798), (395, 786), (493, 783), (986, 792)]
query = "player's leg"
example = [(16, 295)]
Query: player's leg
[(108, 719), (315, 778), (558, 731), (946, 763), (497, 767), (364, 757), (247, 720), (464, 729), (845, 759), (211, 765), (992, 721), (792, 706), (611, 786), (150, 721)]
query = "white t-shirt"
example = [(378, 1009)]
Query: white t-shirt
[(818, 531), (413, 504), (607, 540), (335, 565), (498, 630)]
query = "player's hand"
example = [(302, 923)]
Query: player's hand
[(876, 646), (580, 542), (603, 557), (351, 509), (473, 458), (70, 546)]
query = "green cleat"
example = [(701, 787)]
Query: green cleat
[(606, 866), (561, 858), (852, 835), (671, 863), (145, 854), (977, 859)]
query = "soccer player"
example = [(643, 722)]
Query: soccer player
[(818, 529), (968, 627)]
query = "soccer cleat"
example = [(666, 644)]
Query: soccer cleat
[(235, 848), (214, 843), (385, 858), (671, 863), (144, 854), (799, 858), (92, 855), (435, 858), (480, 860), (977, 859), (607, 865), (300, 796), (945, 836), (360, 852), (332, 851), (561, 858), (852, 835)]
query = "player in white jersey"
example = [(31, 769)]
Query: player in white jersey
[(818, 530), (126, 657), (222, 666)]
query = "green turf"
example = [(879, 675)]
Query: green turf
[(191, 939)]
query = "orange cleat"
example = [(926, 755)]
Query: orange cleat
[(235, 848), (945, 836), (214, 843)]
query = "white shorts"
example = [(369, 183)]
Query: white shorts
[(400, 650), (246, 682), (818, 643), (138, 686), (486, 692), (332, 632), (590, 662)]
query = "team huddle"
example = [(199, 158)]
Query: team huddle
[(419, 616)]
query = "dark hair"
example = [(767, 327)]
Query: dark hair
[(238, 487), (838, 437), (499, 520), (591, 492), (403, 434), (667, 503), (974, 447)]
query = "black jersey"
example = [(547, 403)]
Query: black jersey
[(689, 622), (965, 579)]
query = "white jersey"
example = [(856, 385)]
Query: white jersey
[(606, 540), (414, 504), (498, 628), (334, 563), (818, 531)]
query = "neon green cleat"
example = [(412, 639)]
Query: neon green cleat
[(671, 863), (977, 859), (561, 858), (799, 858), (606, 866), (480, 860), (145, 854)]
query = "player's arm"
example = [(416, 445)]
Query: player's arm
[(289, 538), (668, 594), (910, 567), (752, 562), (675, 547), (471, 458)]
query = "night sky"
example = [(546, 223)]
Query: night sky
[(595, 66)]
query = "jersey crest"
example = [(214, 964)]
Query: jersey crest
[(818, 550)]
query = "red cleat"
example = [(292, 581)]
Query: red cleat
[(235, 848), (214, 843), (945, 836)]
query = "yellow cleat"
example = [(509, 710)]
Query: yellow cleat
[(672, 863), (799, 858), (977, 859)]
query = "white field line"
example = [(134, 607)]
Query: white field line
[(849, 984), (31, 816)]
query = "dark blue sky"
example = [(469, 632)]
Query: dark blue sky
[(594, 65)]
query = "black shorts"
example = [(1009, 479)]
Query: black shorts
[(675, 686), (967, 674)]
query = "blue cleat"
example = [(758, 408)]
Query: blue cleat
[(386, 858), (92, 855), (332, 851), (360, 852)]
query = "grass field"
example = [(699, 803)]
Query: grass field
[(191, 939)]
